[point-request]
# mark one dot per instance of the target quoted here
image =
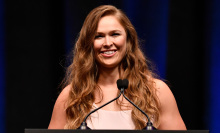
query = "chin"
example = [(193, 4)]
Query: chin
[(108, 65)]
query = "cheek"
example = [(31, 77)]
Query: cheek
[(121, 42), (97, 45)]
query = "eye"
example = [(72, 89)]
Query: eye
[(98, 36), (115, 34)]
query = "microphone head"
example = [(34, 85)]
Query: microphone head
[(122, 84), (125, 83), (119, 84)]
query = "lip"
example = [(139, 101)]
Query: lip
[(108, 55)]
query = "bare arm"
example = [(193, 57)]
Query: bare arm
[(170, 118), (58, 119)]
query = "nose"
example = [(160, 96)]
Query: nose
[(108, 41)]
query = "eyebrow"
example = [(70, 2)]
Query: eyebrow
[(110, 31)]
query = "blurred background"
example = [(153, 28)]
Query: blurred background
[(181, 37)]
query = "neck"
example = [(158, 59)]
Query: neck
[(108, 76)]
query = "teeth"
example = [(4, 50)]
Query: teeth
[(109, 52)]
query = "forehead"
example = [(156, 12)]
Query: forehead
[(109, 23)]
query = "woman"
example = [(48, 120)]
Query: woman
[(106, 50)]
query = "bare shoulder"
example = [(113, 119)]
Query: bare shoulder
[(163, 91), (58, 119), (64, 94), (164, 94), (62, 98), (170, 118)]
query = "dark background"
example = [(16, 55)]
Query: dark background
[(180, 37)]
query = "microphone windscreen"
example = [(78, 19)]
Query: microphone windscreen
[(125, 83), (119, 83)]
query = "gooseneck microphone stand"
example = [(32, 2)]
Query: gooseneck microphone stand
[(122, 85)]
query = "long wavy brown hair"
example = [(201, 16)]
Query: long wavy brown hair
[(83, 73)]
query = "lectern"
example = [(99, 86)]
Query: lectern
[(113, 131)]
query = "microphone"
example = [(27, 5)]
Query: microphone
[(124, 84), (84, 124)]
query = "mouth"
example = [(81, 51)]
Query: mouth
[(108, 53)]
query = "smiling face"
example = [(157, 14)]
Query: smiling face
[(109, 42)]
